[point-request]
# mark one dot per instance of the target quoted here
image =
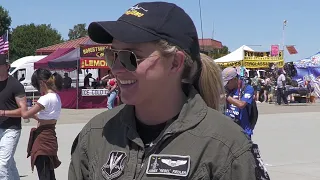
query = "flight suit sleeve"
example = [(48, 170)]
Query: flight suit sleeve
[(78, 169), (248, 166)]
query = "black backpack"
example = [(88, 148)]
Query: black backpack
[(253, 116)]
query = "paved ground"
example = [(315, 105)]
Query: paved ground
[(287, 137)]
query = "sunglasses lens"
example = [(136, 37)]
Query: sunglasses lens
[(109, 56), (128, 60)]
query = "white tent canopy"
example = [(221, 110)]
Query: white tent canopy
[(235, 56)]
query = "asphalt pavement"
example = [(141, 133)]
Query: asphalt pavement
[(287, 137)]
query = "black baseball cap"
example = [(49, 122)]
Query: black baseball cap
[(4, 59), (150, 21)]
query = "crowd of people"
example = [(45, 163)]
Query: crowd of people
[(170, 125), (274, 87)]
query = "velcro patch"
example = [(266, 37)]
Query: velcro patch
[(170, 165)]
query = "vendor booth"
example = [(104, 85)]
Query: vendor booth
[(250, 59), (85, 57), (308, 70)]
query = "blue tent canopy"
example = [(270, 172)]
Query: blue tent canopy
[(312, 61)]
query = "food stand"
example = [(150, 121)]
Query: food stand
[(92, 57), (256, 60), (84, 57)]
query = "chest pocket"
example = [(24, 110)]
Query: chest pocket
[(202, 173)]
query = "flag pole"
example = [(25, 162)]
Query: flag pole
[(283, 34), (283, 37), (201, 25)]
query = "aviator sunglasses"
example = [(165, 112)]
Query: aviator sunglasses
[(127, 58)]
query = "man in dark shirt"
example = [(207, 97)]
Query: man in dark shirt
[(87, 80), (12, 95), (67, 81)]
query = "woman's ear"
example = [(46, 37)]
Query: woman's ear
[(178, 61)]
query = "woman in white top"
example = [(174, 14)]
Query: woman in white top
[(43, 145)]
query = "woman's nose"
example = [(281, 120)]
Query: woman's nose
[(117, 67)]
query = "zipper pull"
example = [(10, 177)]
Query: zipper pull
[(151, 144)]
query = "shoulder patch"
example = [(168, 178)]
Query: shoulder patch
[(114, 166)]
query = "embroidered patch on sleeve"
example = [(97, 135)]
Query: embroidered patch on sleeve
[(114, 166), (170, 165)]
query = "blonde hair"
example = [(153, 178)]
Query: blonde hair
[(210, 79)]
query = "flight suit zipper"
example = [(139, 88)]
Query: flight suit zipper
[(152, 150), (139, 160)]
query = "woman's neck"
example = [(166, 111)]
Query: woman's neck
[(4, 77), (161, 109), (46, 91)]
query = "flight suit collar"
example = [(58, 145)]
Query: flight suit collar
[(191, 114)]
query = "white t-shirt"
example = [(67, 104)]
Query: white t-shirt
[(52, 106), (279, 80)]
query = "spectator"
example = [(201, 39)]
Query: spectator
[(12, 97), (43, 145), (67, 81), (239, 98), (281, 84)]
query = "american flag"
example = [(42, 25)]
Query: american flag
[(4, 43)]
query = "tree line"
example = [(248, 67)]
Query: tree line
[(25, 39)]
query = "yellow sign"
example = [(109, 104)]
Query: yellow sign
[(261, 64), (91, 51), (253, 64), (230, 64), (93, 64), (257, 56)]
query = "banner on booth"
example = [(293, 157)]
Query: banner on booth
[(94, 92), (253, 64), (265, 56), (311, 74), (262, 63), (93, 51), (86, 63), (230, 64)]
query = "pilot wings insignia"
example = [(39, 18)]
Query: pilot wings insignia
[(172, 163)]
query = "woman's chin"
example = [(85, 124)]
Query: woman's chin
[(129, 99)]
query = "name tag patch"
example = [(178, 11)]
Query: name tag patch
[(171, 165)]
